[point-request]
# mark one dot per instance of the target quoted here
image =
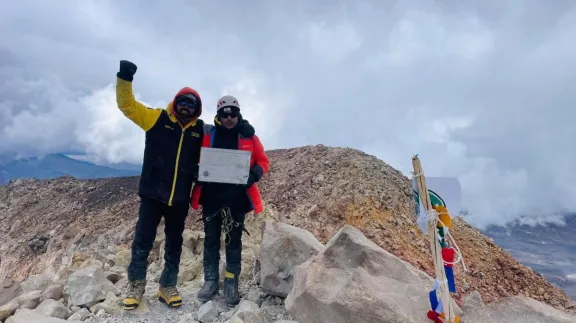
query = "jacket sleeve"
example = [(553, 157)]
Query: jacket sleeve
[(260, 157), (141, 115)]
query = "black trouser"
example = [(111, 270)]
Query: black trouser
[(150, 214), (213, 219)]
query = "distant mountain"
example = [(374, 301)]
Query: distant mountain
[(547, 249), (57, 165)]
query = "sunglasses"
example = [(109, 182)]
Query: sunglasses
[(225, 115), (191, 105)]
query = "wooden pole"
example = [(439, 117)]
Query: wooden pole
[(433, 240)]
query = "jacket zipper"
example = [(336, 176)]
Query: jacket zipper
[(176, 168)]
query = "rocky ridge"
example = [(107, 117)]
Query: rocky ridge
[(60, 226)]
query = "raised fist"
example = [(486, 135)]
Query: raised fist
[(127, 70)]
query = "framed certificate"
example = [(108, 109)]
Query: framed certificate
[(227, 166)]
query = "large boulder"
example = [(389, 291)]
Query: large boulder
[(516, 309), (29, 300), (8, 309), (88, 286), (9, 290), (53, 308), (247, 312), (354, 280), (33, 317), (36, 282), (283, 247)]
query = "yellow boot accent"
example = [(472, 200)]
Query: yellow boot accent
[(130, 303), (134, 294), (170, 296)]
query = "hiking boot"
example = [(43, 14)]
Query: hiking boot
[(170, 296), (211, 278), (209, 289), (134, 294), (231, 292)]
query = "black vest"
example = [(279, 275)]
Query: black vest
[(170, 160)]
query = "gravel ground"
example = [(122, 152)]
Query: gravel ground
[(155, 311)]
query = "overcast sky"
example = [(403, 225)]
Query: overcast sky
[(483, 90)]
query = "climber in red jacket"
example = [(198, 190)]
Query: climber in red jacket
[(228, 203)]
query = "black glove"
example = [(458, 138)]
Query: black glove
[(246, 129), (256, 173), (127, 70)]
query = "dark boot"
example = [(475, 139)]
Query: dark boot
[(233, 263), (210, 287), (211, 256), (231, 292)]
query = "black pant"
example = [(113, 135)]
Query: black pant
[(150, 214), (233, 220)]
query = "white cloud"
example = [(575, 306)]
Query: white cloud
[(480, 90), (419, 37), (332, 42), (264, 108), (107, 134)]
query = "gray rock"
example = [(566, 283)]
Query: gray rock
[(54, 292), (247, 312), (283, 247), (255, 295), (38, 245), (188, 318), (355, 280), (208, 312), (517, 309), (80, 315), (30, 299), (228, 314), (9, 290), (101, 313), (75, 317), (122, 283), (112, 277), (8, 309), (53, 308), (88, 286), (32, 317), (111, 305), (123, 258), (118, 270), (36, 282), (273, 310), (472, 301)]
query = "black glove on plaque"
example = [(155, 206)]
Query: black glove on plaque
[(255, 175), (127, 70)]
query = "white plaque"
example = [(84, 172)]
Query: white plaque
[(228, 166)]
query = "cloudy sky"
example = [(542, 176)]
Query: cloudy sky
[(483, 90)]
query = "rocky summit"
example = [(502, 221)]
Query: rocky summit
[(337, 242)]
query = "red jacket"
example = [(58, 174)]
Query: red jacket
[(258, 156)]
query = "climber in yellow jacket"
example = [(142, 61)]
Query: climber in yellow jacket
[(171, 155)]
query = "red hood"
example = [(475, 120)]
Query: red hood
[(188, 90)]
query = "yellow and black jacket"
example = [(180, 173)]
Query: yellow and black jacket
[(172, 150)]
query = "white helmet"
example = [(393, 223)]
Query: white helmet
[(227, 101)]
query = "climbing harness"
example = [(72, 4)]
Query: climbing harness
[(228, 223)]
